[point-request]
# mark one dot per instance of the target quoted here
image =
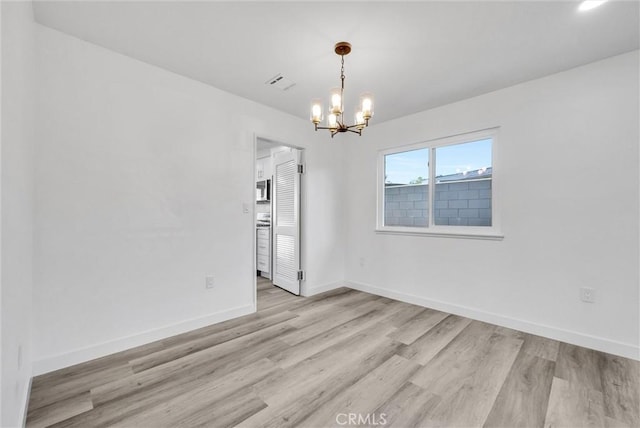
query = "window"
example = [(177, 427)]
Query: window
[(405, 188), (440, 187)]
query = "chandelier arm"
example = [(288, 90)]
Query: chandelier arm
[(352, 126), (333, 130), (348, 127)]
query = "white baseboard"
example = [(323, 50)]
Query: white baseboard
[(25, 404), (626, 350), (48, 364), (312, 291)]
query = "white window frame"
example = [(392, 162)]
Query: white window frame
[(473, 232)]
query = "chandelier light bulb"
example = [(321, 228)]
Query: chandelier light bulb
[(366, 101), (316, 111), (336, 101), (360, 122), (332, 121)]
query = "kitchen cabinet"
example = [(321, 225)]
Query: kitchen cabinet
[(263, 251), (267, 169), (264, 169), (259, 169)]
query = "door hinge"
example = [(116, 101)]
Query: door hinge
[(300, 169), (300, 275)]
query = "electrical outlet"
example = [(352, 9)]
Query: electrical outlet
[(209, 282), (587, 295), (361, 261)]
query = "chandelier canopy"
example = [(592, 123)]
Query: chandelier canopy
[(335, 118)]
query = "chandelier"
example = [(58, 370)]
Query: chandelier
[(335, 118)]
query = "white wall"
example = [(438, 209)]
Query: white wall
[(1, 359), (141, 176), (556, 132), (18, 68)]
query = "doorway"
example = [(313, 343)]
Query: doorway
[(278, 171)]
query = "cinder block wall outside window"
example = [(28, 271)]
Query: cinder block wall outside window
[(464, 203)]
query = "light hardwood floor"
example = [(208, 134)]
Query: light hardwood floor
[(311, 362)]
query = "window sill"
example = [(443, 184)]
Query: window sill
[(471, 234)]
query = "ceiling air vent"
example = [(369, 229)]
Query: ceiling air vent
[(280, 82)]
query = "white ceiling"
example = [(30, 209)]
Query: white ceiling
[(412, 56)]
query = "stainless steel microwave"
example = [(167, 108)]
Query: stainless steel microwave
[(263, 191)]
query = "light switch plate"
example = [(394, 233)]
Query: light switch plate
[(587, 295)]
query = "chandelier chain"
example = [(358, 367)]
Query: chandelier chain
[(342, 87)]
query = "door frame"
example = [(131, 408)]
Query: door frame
[(276, 141)]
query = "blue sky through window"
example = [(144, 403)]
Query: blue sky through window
[(407, 167)]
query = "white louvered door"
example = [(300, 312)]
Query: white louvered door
[(286, 221)]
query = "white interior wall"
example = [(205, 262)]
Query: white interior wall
[(18, 89), (1, 359), (141, 179), (568, 162)]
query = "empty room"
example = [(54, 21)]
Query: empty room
[(320, 214)]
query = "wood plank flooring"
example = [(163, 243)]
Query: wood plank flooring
[(343, 358)]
